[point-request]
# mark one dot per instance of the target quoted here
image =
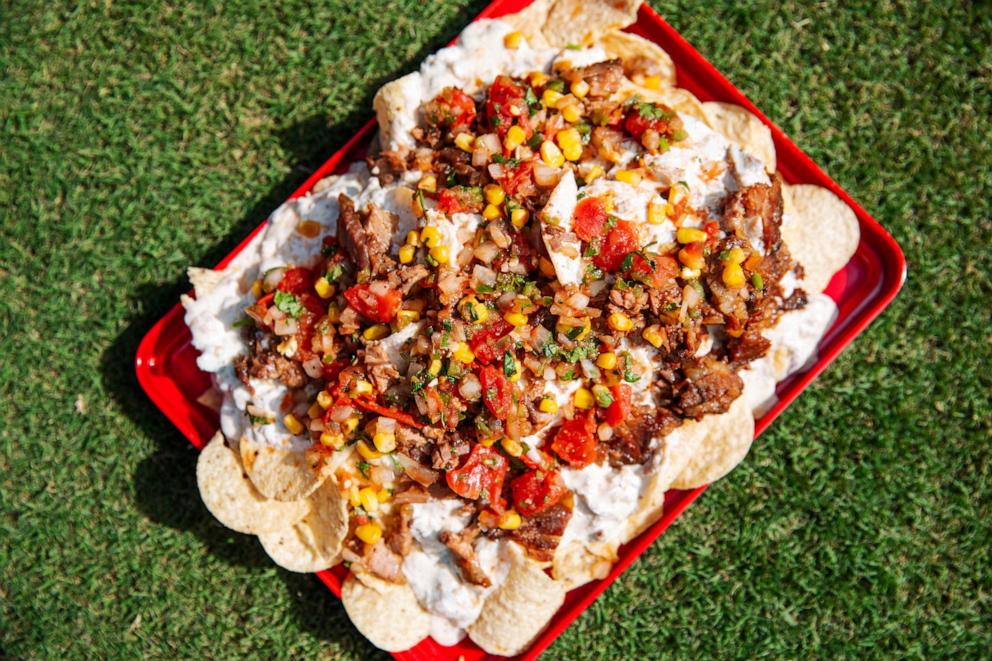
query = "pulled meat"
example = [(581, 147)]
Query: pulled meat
[(630, 440), (410, 276), (387, 165), (399, 538), (366, 236), (752, 344), (710, 387), (260, 363), (461, 545), (380, 368), (384, 562), (604, 78), (540, 534), (414, 445)]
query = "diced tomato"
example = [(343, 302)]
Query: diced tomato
[(296, 281), (589, 218), (537, 460), (367, 404), (483, 343), (617, 412), (712, 230), (375, 301), (537, 490), (659, 118), (332, 370), (452, 107), (461, 199), (519, 181), (619, 242), (505, 94), (481, 476), (576, 440), (656, 273), (497, 393)]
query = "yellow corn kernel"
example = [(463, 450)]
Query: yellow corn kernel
[(632, 177), (618, 321), (595, 172), (427, 183), (366, 496), (309, 228), (384, 442), (463, 353), (515, 137), (329, 440), (370, 533), (548, 405), (509, 520), (518, 217), (607, 360), (546, 267), (690, 235), (652, 82), (481, 313), (512, 40), (350, 425), (571, 113), (494, 194), (383, 494), (488, 442), (656, 213), (333, 313), (733, 276), (367, 453), (572, 152), (435, 367), (515, 318), (691, 261), (568, 137), (736, 256), (292, 424), (407, 254), (517, 372), (537, 78), (323, 288), (406, 317), (512, 447), (377, 332), (491, 212), (652, 336), (362, 387), (413, 238), (256, 288), (315, 411), (465, 141), (550, 98), (431, 236), (583, 399), (441, 254), (353, 496), (579, 88), (551, 155), (586, 327), (324, 399)]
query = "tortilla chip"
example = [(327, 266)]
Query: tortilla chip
[(313, 543), (583, 21), (631, 47), (725, 443), (391, 105), (204, 280), (386, 613), (283, 474), (743, 128), (576, 563), (821, 231), (233, 500), (518, 610), (676, 98), (529, 21)]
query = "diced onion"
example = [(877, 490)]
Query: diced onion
[(385, 424), (341, 413), (578, 300), (272, 278), (313, 367), (469, 387), (496, 171), (486, 252), (605, 432), (501, 238), (286, 327), (589, 369), (545, 175), (483, 275)]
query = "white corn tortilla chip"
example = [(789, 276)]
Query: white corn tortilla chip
[(743, 128), (204, 280), (232, 499), (391, 104), (821, 231), (678, 99), (576, 562), (518, 610), (283, 474), (314, 542), (582, 21), (725, 441), (529, 21), (386, 613), (631, 48)]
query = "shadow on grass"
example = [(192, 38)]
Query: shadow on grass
[(165, 482)]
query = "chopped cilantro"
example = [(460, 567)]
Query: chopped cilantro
[(558, 85), (611, 222), (260, 420), (568, 376), (535, 140), (363, 468), (573, 47), (758, 282), (509, 364), (591, 250), (288, 303), (483, 288), (243, 323), (533, 103)]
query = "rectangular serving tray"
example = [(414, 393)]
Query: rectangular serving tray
[(166, 359)]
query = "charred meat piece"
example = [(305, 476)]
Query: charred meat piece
[(380, 368), (604, 78), (399, 539), (416, 446), (409, 276), (461, 545), (630, 440), (260, 363), (366, 236), (540, 534), (710, 387), (384, 562), (387, 165), (752, 344)]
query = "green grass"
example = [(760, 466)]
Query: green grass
[(135, 141)]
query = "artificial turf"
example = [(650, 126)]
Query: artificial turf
[(136, 139)]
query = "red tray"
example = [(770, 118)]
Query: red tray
[(167, 370)]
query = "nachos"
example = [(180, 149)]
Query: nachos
[(471, 366)]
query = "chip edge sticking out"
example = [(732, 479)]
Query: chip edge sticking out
[(280, 473), (725, 441), (821, 231), (388, 614), (743, 128), (314, 543)]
